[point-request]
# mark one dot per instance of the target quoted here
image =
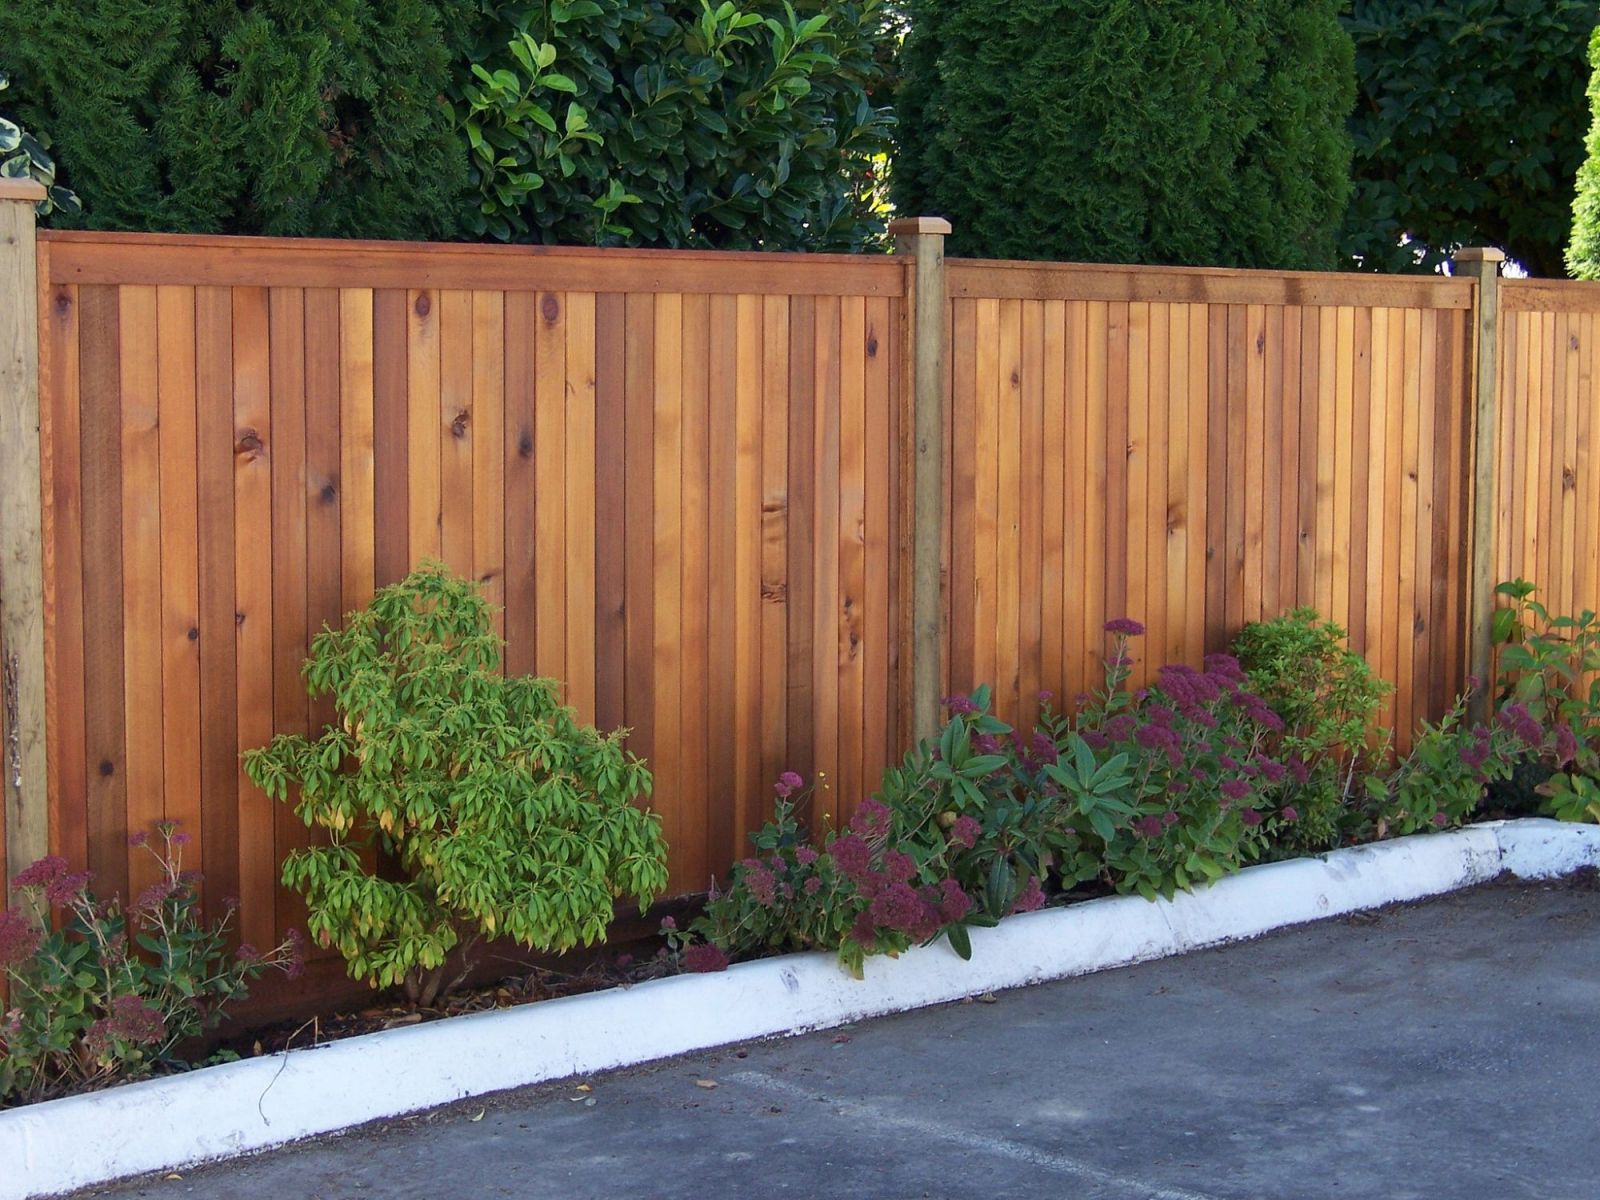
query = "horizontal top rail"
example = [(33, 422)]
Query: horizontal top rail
[(984, 279), (1549, 295), (204, 260)]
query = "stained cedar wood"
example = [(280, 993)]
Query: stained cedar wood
[(775, 548), (106, 796), (1054, 518), (1420, 445), (252, 573), (1008, 550), (549, 594), (1030, 520), (1114, 536), (878, 696), (1129, 534), (324, 499), (1154, 532), (825, 557), (1310, 492), (69, 835), (1397, 488), (1075, 616), (521, 484), (219, 721), (696, 620), (1327, 455), (1178, 513), (638, 528), (1238, 351), (1216, 475), (290, 546), (1368, 579), (357, 450), (667, 552), (141, 574), (748, 367), (1252, 567), (422, 425), (610, 609), (729, 811), (800, 701), (963, 475), (390, 456), (580, 544), (1096, 521), (1273, 405), (985, 499), (1287, 510), (1198, 497), (489, 458), (851, 548), (456, 423)]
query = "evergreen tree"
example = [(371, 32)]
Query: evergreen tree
[(1583, 254), (278, 117), (1146, 131)]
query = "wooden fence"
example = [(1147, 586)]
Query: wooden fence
[(689, 479), (1196, 449), (1547, 503), (676, 472)]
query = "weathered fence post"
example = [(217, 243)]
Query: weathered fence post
[(1483, 264), (922, 239), (21, 533)]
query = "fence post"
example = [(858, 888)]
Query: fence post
[(26, 810), (1483, 264), (922, 240)]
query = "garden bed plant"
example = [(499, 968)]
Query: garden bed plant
[(455, 805)]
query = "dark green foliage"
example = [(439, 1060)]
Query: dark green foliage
[(647, 122), (1583, 254), (1129, 130), (278, 117), (1468, 130)]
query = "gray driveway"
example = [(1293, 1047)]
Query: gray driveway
[(1446, 1051)]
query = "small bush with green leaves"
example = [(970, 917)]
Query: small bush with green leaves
[(1327, 697), (507, 817), (114, 991)]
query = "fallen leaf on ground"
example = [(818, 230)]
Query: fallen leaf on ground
[(708, 1084), (479, 1117), (584, 1087)]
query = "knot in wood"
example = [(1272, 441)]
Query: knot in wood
[(423, 305), (458, 427), (249, 442), (550, 309)]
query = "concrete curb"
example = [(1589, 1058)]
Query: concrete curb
[(239, 1107)]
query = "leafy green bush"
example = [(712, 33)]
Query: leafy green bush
[(506, 816), (281, 117), (673, 124), (1468, 129), (1327, 697), (115, 991), (25, 155), (1210, 132)]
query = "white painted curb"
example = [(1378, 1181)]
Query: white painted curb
[(46, 1149)]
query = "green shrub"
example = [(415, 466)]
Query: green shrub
[(1210, 132), (1583, 252), (281, 117), (115, 991), (1327, 697), (25, 155), (1468, 129), (506, 816), (674, 124)]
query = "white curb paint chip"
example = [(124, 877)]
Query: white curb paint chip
[(218, 1112)]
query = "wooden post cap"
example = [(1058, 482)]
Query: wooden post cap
[(1479, 254), (901, 226), (21, 189)]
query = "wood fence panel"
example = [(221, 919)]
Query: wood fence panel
[(1217, 448), (1547, 511), (679, 474)]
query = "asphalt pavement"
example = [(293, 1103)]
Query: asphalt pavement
[(1448, 1050)]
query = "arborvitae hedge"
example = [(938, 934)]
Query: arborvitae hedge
[(1207, 132), (1583, 255), (277, 117)]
